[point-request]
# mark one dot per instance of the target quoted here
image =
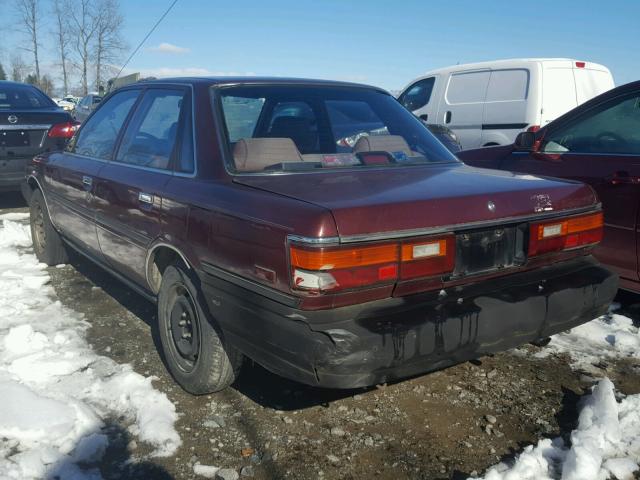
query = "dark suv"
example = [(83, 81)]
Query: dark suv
[(315, 227), (30, 123)]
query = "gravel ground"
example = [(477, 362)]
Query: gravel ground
[(445, 425)]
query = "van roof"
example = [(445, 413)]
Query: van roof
[(512, 62)]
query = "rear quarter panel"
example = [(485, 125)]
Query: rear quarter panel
[(239, 229)]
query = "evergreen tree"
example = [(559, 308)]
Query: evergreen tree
[(3, 75)]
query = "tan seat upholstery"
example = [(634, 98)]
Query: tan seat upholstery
[(382, 143), (254, 154)]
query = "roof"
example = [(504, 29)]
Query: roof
[(258, 81), (507, 62)]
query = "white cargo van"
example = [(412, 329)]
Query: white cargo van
[(489, 103)]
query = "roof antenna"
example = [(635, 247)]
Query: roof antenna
[(145, 38)]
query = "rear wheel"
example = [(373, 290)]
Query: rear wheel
[(194, 350), (47, 244)]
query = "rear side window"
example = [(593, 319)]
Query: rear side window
[(98, 136), (418, 94), (152, 132), (241, 115), (467, 87), (508, 85)]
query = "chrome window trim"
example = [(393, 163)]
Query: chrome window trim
[(399, 234), (25, 127)]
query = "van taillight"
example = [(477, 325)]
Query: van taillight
[(580, 64), (565, 234), (533, 128), (331, 269), (63, 130)]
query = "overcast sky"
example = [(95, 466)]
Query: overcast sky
[(383, 43)]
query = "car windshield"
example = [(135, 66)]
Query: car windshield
[(23, 97), (300, 128)]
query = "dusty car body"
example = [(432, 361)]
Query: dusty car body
[(263, 234), (597, 143)]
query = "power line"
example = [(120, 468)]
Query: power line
[(145, 38)]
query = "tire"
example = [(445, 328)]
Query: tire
[(194, 349), (47, 243)]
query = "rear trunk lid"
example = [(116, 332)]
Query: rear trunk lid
[(389, 203), (23, 133)]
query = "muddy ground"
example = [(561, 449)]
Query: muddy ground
[(445, 425)]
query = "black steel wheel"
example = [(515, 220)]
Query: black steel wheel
[(194, 350), (47, 243)]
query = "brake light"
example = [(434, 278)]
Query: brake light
[(337, 268), (533, 128), (427, 259), (330, 269), (63, 130), (580, 64), (564, 234)]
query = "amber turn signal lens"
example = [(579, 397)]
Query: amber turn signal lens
[(336, 257)]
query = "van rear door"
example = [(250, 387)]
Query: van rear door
[(558, 90), (591, 80), (462, 106)]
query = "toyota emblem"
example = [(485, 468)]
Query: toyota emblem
[(12, 119), (491, 206)]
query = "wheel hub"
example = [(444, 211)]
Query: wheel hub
[(184, 328)]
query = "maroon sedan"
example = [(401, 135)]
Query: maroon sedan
[(597, 143), (315, 227)]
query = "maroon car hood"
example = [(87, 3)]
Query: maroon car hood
[(376, 201)]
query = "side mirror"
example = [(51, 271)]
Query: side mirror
[(525, 141)]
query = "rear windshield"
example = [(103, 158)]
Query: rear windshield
[(302, 128), (23, 97), (97, 100)]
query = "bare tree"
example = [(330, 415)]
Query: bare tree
[(83, 28), (46, 84), (29, 17), (62, 39), (108, 42), (19, 69)]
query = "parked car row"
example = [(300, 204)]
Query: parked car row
[(315, 227)]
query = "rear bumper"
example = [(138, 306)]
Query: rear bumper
[(12, 172), (389, 339)]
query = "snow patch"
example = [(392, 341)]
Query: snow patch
[(606, 444), (607, 337), (56, 393)]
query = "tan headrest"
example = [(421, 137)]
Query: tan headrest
[(254, 154), (382, 143)]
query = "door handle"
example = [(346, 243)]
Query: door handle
[(145, 198), (87, 182), (447, 117), (622, 177)]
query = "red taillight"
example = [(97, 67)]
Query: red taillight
[(580, 64), (330, 269), (533, 128), (63, 130), (563, 234)]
